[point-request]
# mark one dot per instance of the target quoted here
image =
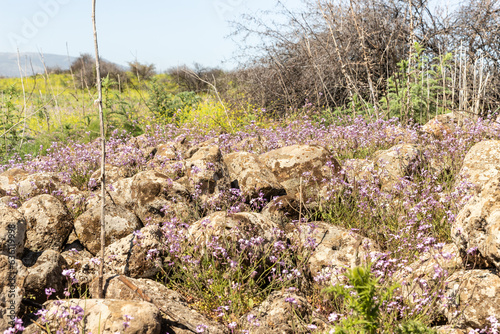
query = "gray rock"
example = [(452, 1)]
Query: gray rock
[(473, 296), (289, 164), (481, 164), (12, 232), (129, 255), (397, 162), (282, 312), (105, 316), (119, 223), (46, 273), (49, 223), (148, 193), (178, 318), (12, 276), (478, 225), (251, 176)]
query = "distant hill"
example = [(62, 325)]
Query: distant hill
[(31, 63)]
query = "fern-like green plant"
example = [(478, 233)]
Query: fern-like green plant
[(416, 91), (364, 298)]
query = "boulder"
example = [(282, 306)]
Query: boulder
[(478, 225), (145, 144), (49, 223), (397, 162), (12, 277), (232, 226), (335, 247), (152, 196), (282, 312), (80, 260), (429, 271), (291, 164), (179, 317), (12, 232), (472, 297), (481, 164), (251, 145), (129, 255), (433, 265), (448, 329), (358, 170), (104, 316), (8, 202), (45, 273), (113, 174), (205, 171), (120, 222), (166, 152), (443, 125), (251, 176), (51, 184), (9, 180), (284, 210)]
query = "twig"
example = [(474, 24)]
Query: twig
[(103, 153)]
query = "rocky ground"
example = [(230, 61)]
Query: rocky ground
[(223, 233)]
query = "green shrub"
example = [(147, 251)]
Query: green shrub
[(364, 302)]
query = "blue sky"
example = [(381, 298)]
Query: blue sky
[(163, 32), (166, 33)]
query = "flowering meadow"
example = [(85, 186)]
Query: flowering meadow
[(233, 272)]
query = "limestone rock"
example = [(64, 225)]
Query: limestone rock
[(166, 152), (113, 174), (360, 169), (206, 172), (397, 162), (478, 225), (251, 145), (119, 223), (481, 164), (248, 174), (80, 261), (473, 296), (129, 255), (336, 247), (448, 329), (9, 180), (292, 163), (148, 193), (45, 273), (281, 312), (12, 232), (284, 210), (232, 226), (12, 276), (167, 299), (442, 125), (49, 223), (105, 316)]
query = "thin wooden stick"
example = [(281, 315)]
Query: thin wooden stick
[(103, 153)]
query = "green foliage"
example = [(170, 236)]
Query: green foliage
[(117, 111), (417, 90), (10, 117), (364, 302), (170, 107)]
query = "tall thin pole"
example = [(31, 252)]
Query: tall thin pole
[(103, 152)]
